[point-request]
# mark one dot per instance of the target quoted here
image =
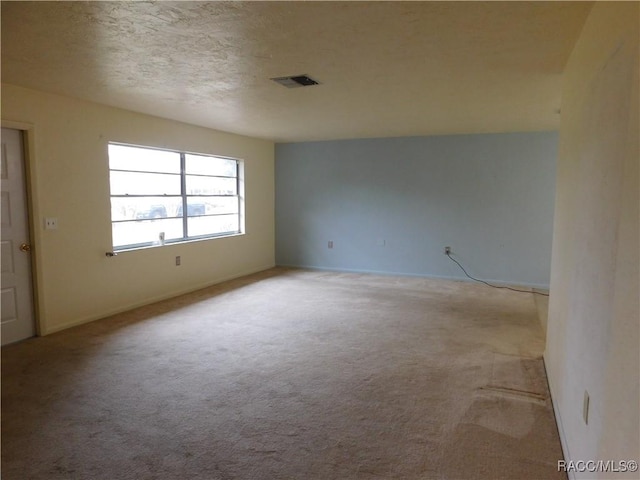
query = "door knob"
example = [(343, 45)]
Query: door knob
[(25, 247)]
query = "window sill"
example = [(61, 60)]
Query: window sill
[(175, 243)]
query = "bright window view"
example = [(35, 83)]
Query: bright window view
[(160, 196)]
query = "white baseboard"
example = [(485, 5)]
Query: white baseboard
[(543, 288), (150, 300), (556, 413)]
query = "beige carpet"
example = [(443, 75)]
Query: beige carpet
[(289, 374)]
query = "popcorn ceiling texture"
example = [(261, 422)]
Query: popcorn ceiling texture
[(289, 374), (386, 68)]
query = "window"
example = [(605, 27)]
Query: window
[(161, 196)]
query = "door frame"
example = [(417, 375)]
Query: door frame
[(33, 214)]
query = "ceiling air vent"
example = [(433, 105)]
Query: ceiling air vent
[(295, 81)]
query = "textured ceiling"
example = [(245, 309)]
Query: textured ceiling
[(385, 68)]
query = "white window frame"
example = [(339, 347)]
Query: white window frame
[(239, 177)]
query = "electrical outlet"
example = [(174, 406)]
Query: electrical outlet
[(178, 260), (50, 223), (330, 244), (447, 250)]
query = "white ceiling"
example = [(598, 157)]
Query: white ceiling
[(385, 68)]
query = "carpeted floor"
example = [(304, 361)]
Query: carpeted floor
[(289, 374)]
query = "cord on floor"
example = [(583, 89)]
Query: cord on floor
[(489, 284)]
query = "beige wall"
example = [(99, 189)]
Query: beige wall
[(593, 324), (70, 181)]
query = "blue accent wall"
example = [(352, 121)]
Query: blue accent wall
[(391, 205)]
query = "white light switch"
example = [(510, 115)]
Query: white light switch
[(50, 223)]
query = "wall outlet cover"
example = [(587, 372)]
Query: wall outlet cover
[(51, 223)]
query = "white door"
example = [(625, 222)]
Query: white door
[(16, 287)]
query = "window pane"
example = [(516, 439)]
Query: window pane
[(212, 205), (146, 231), (196, 207), (211, 186), (213, 225), (204, 165), (132, 183), (141, 208), (122, 157)]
